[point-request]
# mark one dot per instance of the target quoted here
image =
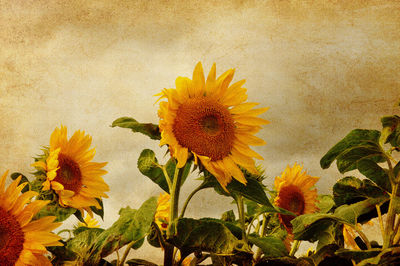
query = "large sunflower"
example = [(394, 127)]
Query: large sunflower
[(22, 241), (70, 172), (211, 120), (295, 193)]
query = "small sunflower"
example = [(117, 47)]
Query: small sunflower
[(23, 241), (89, 222), (212, 121), (70, 172), (162, 212), (295, 193)]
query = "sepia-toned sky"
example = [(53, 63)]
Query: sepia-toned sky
[(323, 68)]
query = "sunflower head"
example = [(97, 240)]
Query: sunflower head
[(211, 120), (89, 222), (161, 217), (295, 193), (70, 172), (23, 241)]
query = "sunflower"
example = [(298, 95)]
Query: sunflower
[(295, 193), (70, 172), (89, 222), (161, 217), (212, 121), (23, 241)]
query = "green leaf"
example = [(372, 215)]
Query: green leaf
[(14, 176), (325, 203), (271, 246), (81, 243), (228, 216), (148, 129), (350, 190), (355, 138), (233, 226), (350, 158), (132, 225), (310, 226), (205, 235), (99, 212), (359, 212), (137, 262), (148, 166), (55, 210), (358, 255), (374, 172), (390, 129)]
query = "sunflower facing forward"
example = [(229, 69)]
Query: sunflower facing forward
[(70, 172), (22, 241), (295, 193), (211, 120)]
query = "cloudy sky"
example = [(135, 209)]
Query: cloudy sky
[(322, 68)]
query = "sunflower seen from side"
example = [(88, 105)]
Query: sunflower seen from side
[(70, 171), (295, 193), (23, 241), (211, 120)]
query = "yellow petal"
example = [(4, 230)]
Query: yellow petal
[(198, 80)]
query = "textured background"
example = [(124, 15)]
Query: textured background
[(324, 68)]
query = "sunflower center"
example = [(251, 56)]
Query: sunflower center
[(69, 173), (205, 127), (292, 199), (11, 238)]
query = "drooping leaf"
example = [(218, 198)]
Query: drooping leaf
[(374, 172), (23, 180), (356, 138), (55, 210), (351, 189), (348, 160), (233, 226), (205, 235), (148, 166), (148, 129), (390, 256), (271, 246), (132, 225)]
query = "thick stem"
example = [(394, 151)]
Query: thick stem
[(173, 215), (390, 218), (174, 200), (189, 198), (240, 205)]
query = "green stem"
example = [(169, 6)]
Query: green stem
[(164, 169), (128, 248), (173, 214), (240, 205), (390, 218), (189, 198), (265, 221), (295, 247), (174, 200)]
